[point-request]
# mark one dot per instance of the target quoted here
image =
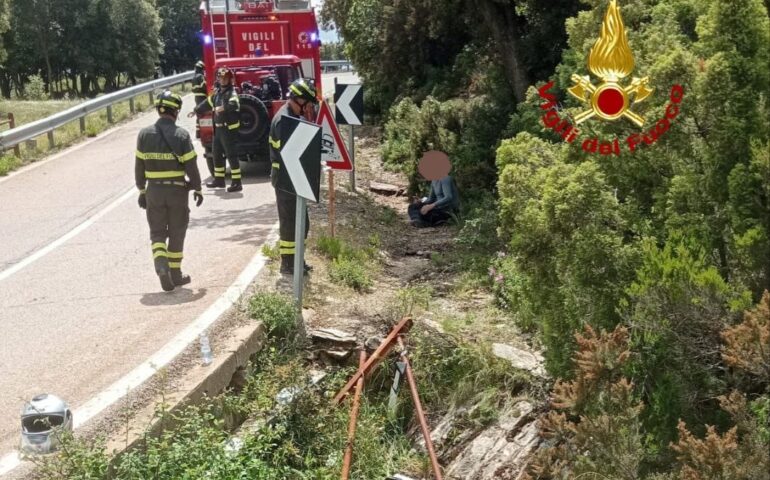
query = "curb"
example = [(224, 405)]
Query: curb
[(199, 383)]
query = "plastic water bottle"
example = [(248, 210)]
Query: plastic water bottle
[(206, 349)]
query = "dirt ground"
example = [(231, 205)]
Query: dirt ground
[(408, 257)]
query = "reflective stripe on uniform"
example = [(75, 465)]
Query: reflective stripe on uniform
[(158, 245), (175, 255), (276, 165), (175, 264), (165, 174), (160, 253), (155, 156), (219, 172), (170, 104), (234, 126), (188, 156), (275, 143), (287, 248), (235, 174), (211, 102)]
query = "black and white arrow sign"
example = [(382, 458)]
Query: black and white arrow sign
[(349, 103), (301, 155)]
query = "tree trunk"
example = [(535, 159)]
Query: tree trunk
[(5, 85), (504, 26)]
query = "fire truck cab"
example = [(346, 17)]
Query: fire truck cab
[(267, 45)]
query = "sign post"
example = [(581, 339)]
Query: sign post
[(334, 154), (301, 155)]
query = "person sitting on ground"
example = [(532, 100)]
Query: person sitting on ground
[(444, 199)]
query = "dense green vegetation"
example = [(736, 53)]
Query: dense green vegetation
[(669, 243), (82, 47)]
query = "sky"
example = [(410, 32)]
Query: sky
[(326, 36)]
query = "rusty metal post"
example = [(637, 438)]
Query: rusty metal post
[(348, 459), (331, 202), (403, 326), (420, 414), (12, 123)]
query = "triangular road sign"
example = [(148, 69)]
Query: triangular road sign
[(300, 173), (333, 149)]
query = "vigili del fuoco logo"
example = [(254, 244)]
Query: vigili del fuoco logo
[(612, 99)]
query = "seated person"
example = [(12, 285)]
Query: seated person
[(444, 199)]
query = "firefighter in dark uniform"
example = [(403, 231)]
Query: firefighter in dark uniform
[(302, 97), (199, 90), (227, 115), (164, 157)]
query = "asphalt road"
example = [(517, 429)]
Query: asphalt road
[(80, 304), (89, 310)]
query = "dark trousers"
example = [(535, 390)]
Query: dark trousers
[(437, 216), (287, 218), (226, 145), (168, 214)]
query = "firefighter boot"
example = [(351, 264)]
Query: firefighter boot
[(179, 278), (218, 182), (235, 186), (164, 274), (287, 265)]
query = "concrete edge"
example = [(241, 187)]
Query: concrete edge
[(199, 383)]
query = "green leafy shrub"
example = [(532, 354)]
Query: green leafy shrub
[(35, 89), (8, 163), (272, 252), (277, 312), (350, 272), (330, 247)]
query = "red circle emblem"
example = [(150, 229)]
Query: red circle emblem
[(611, 101)]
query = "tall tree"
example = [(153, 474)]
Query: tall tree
[(5, 24), (179, 34), (136, 28)]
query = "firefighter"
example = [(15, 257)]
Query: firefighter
[(199, 90), (227, 107), (302, 98), (164, 156)]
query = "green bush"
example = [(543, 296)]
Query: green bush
[(35, 88), (330, 247), (8, 163), (351, 272), (277, 312), (271, 252)]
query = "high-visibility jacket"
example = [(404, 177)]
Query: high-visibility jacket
[(199, 87), (279, 179), (157, 160), (225, 97)]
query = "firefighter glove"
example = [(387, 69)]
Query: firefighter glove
[(142, 201), (198, 197)]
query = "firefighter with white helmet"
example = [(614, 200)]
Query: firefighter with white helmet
[(164, 157), (227, 107), (302, 98)]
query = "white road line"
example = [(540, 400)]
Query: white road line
[(64, 238), (165, 355)]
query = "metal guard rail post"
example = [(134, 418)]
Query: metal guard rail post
[(16, 136)]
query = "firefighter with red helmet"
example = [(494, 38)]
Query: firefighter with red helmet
[(227, 112), (164, 157), (302, 98)]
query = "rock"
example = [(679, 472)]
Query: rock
[(521, 359), (372, 343), (386, 189), (337, 339), (308, 314), (500, 452), (334, 356)]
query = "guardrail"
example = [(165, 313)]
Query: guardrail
[(15, 136), (336, 63)]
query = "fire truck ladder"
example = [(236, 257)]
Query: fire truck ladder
[(226, 25)]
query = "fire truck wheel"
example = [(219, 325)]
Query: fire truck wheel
[(254, 118)]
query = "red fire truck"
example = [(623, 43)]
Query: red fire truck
[(268, 45)]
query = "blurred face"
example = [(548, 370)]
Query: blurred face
[(434, 165), (224, 80)]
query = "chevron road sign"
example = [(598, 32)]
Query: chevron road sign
[(349, 102), (301, 154)]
